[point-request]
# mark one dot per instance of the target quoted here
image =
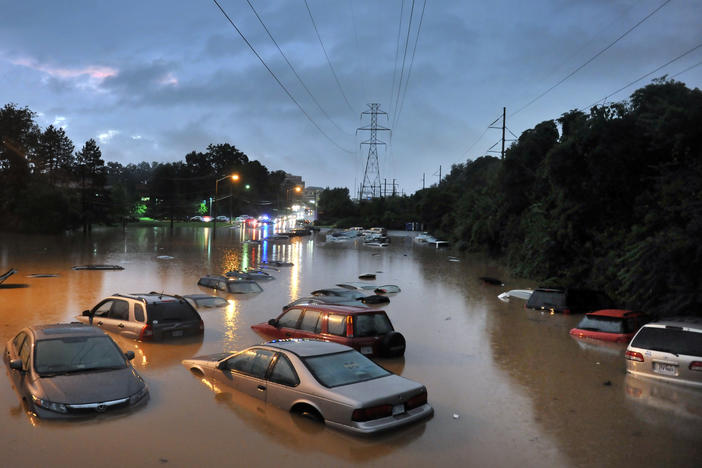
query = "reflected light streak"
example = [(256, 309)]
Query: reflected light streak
[(210, 385), (295, 272), (231, 324)]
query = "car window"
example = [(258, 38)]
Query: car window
[(672, 340), (18, 340), (119, 310), (371, 325), (283, 372), (310, 321), (103, 309), (290, 318), (253, 362), (138, 313), (546, 299), (23, 353), (333, 370), (336, 324), (602, 324), (243, 287), (171, 311)]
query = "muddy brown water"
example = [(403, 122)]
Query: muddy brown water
[(509, 386)]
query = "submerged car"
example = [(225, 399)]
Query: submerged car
[(367, 330), (145, 316), (206, 301), (255, 275), (229, 285), (69, 369), (615, 325), (669, 350), (327, 381), (568, 301), (351, 295)]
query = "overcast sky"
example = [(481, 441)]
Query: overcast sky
[(154, 80)]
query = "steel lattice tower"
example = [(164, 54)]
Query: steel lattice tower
[(370, 187)]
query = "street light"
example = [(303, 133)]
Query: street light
[(235, 178)]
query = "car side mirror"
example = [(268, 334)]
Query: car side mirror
[(129, 355), (222, 365), (16, 364), (273, 322), (86, 313)]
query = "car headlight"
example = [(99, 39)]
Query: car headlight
[(138, 395), (50, 405)]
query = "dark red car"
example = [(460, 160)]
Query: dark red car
[(367, 330), (616, 325)]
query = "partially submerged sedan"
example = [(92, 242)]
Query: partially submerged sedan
[(69, 369), (351, 295), (327, 381)]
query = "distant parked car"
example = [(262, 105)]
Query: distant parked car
[(351, 295), (256, 275), (669, 350), (145, 316), (367, 330), (69, 370), (196, 218), (230, 285), (326, 381), (206, 301), (615, 325), (569, 301), (222, 219)]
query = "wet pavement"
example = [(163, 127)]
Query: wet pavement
[(509, 386)]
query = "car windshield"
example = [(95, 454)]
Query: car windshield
[(243, 287), (171, 311), (371, 325), (76, 354), (603, 324), (546, 299), (334, 370), (669, 340)]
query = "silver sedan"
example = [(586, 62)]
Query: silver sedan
[(326, 381)]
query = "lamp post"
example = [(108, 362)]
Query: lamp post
[(235, 178)]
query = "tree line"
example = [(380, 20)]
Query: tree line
[(48, 186), (610, 199)]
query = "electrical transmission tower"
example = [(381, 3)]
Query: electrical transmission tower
[(370, 187)]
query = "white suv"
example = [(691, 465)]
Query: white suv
[(669, 350)]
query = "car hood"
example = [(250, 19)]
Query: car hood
[(90, 387), (209, 360), (391, 389)]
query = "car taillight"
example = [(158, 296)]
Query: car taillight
[(367, 414), (696, 365), (349, 326), (416, 401), (202, 325), (634, 356), (146, 333)]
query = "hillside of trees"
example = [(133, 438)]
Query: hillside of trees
[(48, 186), (611, 200)]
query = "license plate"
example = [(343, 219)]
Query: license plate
[(398, 409), (665, 368), (177, 333), (366, 350)]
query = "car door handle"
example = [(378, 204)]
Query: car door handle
[(261, 388), (121, 325)]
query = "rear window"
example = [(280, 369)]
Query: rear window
[(371, 325), (603, 324), (176, 311), (669, 340), (547, 299), (334, 370)]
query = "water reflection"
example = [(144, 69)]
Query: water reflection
[(159, 354)]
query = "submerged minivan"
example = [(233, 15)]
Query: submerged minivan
[(669, 350)]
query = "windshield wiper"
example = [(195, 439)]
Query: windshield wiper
[(77, 371)]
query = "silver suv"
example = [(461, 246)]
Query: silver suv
[(145, 317), (669, 350)]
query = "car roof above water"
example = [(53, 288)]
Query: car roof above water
[(150, 298), (693, 323), (342, 309), (306, 348), (64, 330)]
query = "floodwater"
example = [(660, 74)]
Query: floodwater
[(509, 386)]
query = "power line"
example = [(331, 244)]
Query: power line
[(293, 68), (277, 80), (397, 50), (644, 76), (591, 59), (481, 135), (327, 56), (404, 58), (409, 72), (687, 69)]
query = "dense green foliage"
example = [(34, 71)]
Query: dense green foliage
[(46, 186), (612, 201)]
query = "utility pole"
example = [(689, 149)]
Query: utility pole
[(423, 180), (503, 128), (371, 176), (393, 188)]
